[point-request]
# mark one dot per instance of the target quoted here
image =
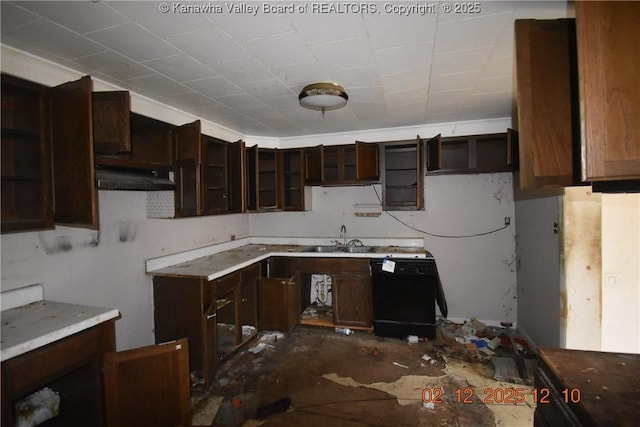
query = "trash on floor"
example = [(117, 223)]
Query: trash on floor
[(281, 405), (505, 369), (204, 410), (271, 336)]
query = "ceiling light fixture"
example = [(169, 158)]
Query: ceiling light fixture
[(323, 96)]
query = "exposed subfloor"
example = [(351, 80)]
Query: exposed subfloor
[(357, 380)]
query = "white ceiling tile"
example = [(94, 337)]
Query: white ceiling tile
[(407, 97), (242, 70), (189, 99), (13, 16), (344, 54), (444, 82), (283, 49), (365, 95), (214, 87), (265, 89), (494, 84), (301, 74), (404, 58), (79, 16), (400, 82), (180, 68), (478, 32), (113, 64), (157, 86), (149, 16), (460, 61), (498, 66), (391, 30), (322, 28), (208, 45), (366, 76), (242, 102), (241, 27), (133, 41), (54, 39)]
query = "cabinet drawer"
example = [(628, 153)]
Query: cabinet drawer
[(226, 284), (334, 265)]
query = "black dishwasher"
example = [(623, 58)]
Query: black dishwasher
[(405, 292)]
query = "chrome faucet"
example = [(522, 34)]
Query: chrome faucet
[(343, 234)]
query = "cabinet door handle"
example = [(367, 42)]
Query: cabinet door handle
[(210, 316), (244, 300)]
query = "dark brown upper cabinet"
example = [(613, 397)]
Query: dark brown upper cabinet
[(150, 147), (27, 200), (187, 169), (546, 84), (292, 179), (222, 177), (263, 176), (75, 193), (608, 67), (343, 164), (208, 173), (111, 122), (402, 175), (471, 154)]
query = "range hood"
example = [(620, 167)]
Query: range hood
[(133, 179)]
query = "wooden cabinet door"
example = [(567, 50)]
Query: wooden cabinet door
[(215, 176), (187, 163), (402, 183), (609, 69), (352, 300), (293, 308), (367, 161), (237, 183), (434, 151), (248, 303), (279, 303), (111, 122), (27, 199), (148, 385), (546, 87), (292, 178), (209, 343), (75, 194), (313, 165)]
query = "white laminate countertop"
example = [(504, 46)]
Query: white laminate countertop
[(39, 323), (210, 264)]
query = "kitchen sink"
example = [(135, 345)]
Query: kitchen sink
[(334, 249), (331, 248), (359, 249)]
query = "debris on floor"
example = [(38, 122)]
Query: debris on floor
[(425, 383)]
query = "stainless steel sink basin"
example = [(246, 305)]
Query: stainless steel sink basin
[(329, 249), (359, 249)]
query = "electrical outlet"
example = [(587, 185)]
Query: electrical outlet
[(507, 220)]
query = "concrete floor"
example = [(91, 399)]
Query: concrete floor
[(357, 380)]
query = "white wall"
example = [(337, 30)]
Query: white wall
[(106, 268), (621, 273), (478, 273)]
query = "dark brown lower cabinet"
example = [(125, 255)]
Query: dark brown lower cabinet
[(351, 288), (280, 303), (352, 299), (137, 384), (218, 317)]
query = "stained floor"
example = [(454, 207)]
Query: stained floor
[(359, 380)]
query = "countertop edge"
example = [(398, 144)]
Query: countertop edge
[(32, 344)]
